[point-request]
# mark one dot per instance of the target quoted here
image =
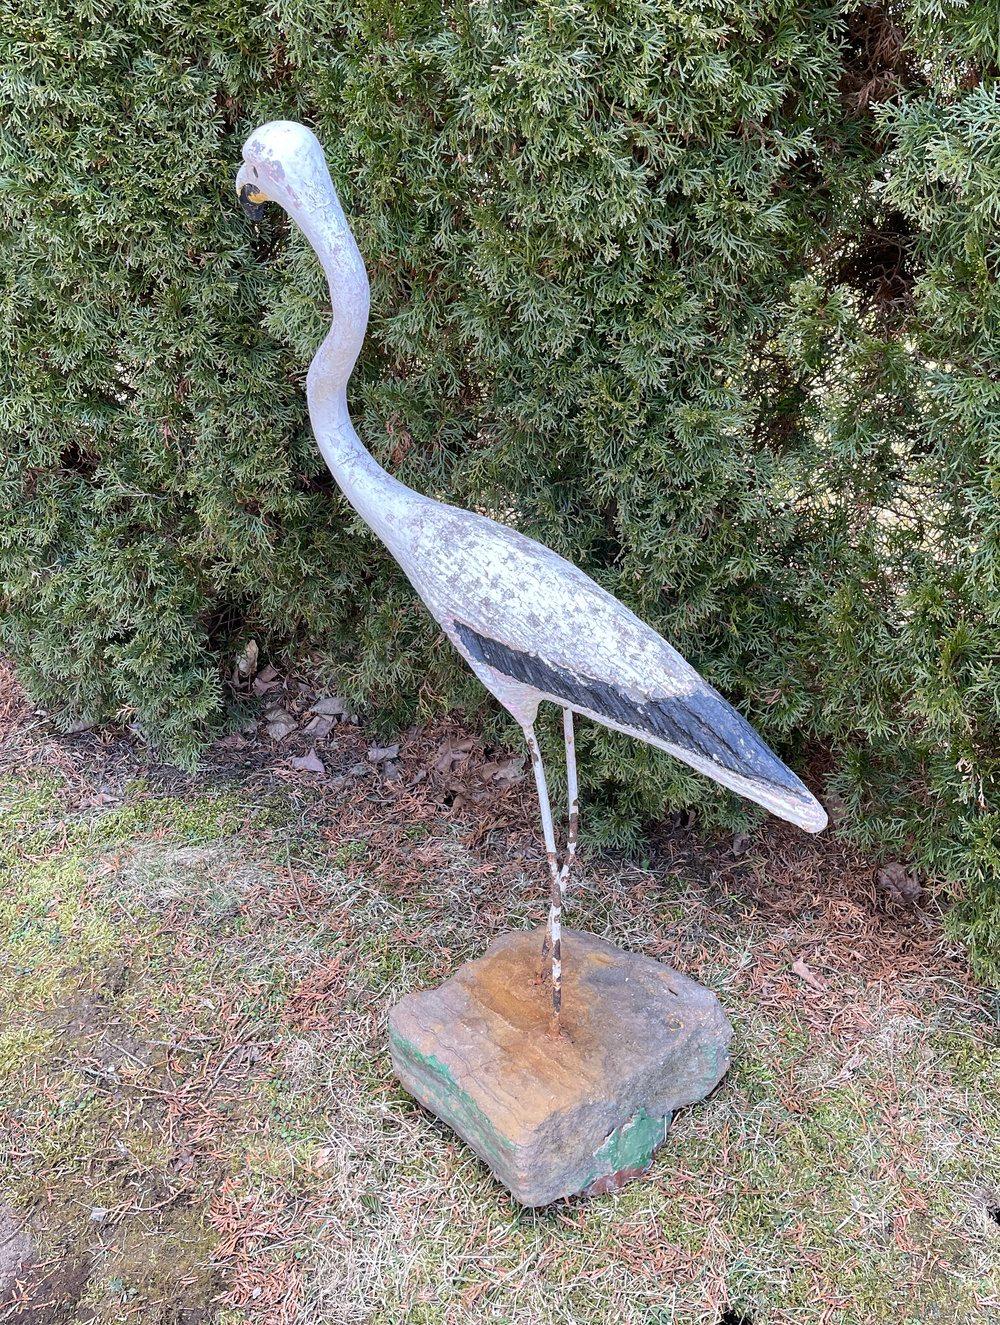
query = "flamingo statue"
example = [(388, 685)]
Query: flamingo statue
[(530, 624)]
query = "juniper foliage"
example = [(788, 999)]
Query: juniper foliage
[(703, 293)]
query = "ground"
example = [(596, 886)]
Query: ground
[(199, 1123)]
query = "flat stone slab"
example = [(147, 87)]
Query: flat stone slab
[(553, 1114)]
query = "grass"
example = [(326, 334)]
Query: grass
[(200, 1121)]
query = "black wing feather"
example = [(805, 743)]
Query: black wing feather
[(701, 722)]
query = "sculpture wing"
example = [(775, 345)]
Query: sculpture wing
[(518, 610)]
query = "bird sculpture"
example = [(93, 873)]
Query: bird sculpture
[(529, 623)]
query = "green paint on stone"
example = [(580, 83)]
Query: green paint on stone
[(631, 1146), (446, 1098)]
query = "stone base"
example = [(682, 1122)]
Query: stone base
[(581, 1110)]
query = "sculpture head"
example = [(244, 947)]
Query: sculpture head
[(284, 163)]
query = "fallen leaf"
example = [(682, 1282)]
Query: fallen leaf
[(899, 883), (511, 770), (378, 754), (266, 679), (318, 726), (330, 706), (804, 973), (453, 752), (846, 1071), (836, 809), (281, 724), (309, 763), (101, 797)]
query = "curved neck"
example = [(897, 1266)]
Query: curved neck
[(326, 228), (376, 495)]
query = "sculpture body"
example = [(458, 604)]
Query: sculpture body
[(531, 625)]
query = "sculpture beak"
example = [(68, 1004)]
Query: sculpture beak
[(251, 199)]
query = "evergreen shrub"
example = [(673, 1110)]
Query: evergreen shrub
[(703, 293)]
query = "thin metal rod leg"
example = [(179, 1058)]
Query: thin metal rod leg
[(555, 896), (573, 790)]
